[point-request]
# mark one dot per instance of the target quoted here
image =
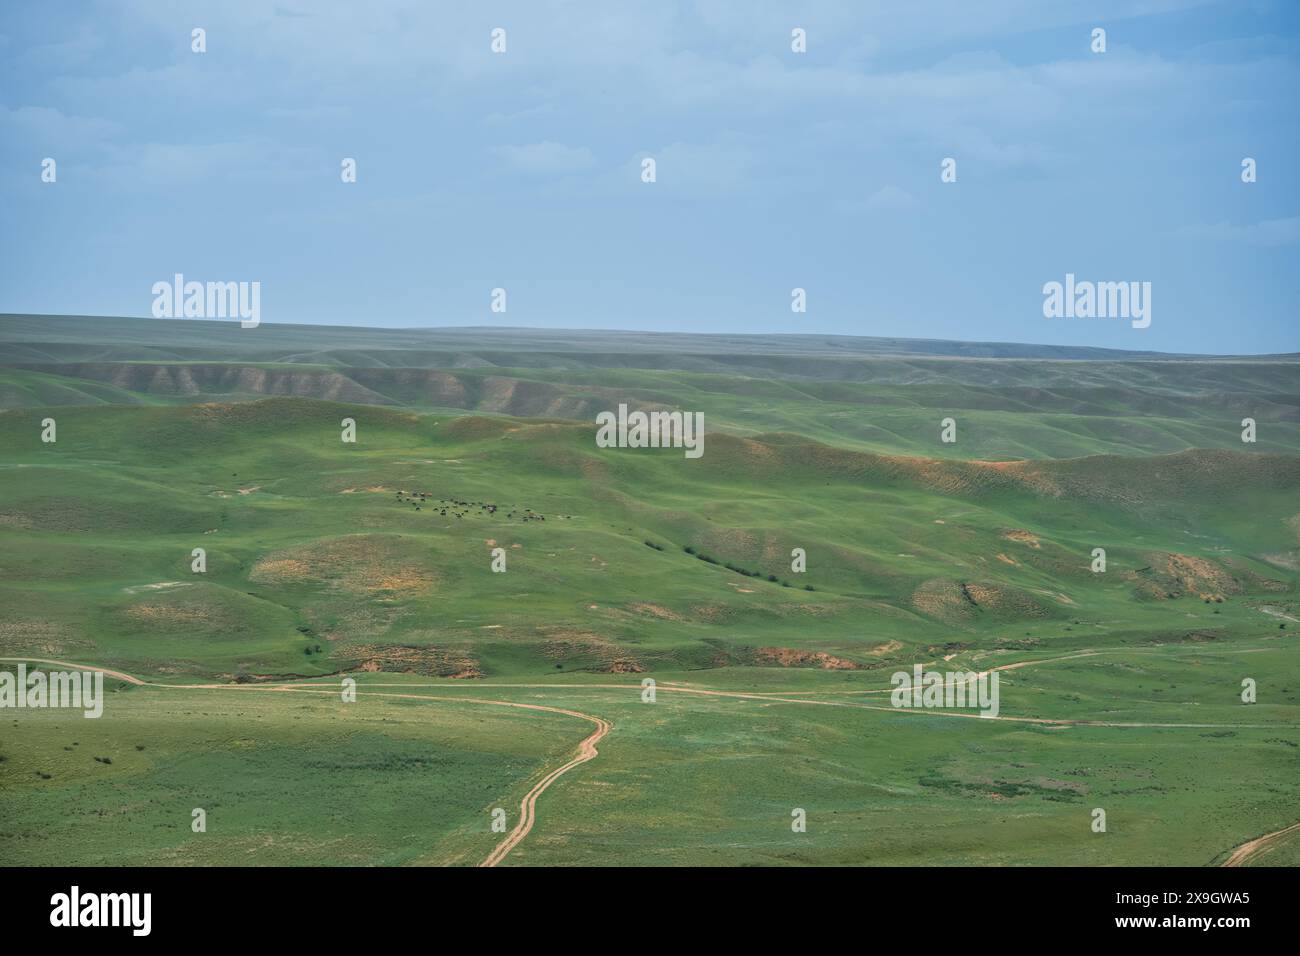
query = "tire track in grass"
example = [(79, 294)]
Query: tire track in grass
[(527, 806), (1250, 848), (587, 748)]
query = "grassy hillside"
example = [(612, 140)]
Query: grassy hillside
[(284, 780), (379, 552), (373, 560), (1166, 413), (886, 396)]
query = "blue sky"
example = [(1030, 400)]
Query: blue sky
[(775, 170)]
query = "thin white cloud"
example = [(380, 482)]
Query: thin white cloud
[(546, 157)]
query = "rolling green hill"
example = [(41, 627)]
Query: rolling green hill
[(373, 560), (880, 395), (618, 559)]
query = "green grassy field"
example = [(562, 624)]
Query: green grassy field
[(284, 779), (373, 559)]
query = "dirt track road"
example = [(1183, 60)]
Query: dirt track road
[(1248, 849), (587, 748), (779, 697), (527, 808), (119, 675)]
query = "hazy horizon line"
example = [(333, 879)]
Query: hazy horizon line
[(664, 332)]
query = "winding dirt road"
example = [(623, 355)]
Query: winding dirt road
[(587, 748), (1248, 849), (780, 697), (527, 806)]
